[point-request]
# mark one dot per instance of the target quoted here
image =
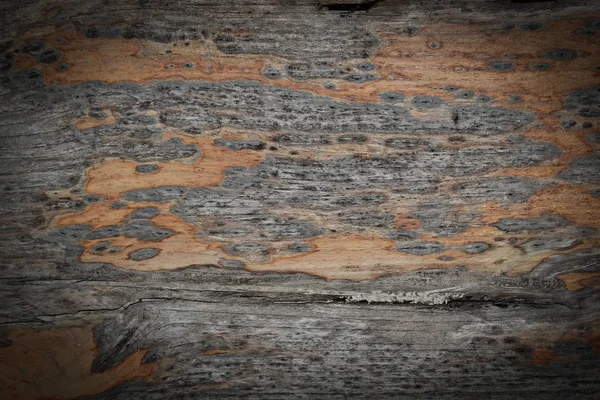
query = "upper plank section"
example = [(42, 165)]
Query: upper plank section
[(346, 143)]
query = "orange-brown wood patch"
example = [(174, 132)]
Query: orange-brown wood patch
[(408, 64), (581, 280), (404, 63), (57, 364), (115, 177)]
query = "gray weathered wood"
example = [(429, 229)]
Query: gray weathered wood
[(301, 199)]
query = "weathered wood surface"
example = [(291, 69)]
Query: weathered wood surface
[(299, 199)]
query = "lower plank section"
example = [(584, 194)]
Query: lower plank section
[(231, 344)]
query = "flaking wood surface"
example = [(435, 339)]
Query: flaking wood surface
[(269, 199)]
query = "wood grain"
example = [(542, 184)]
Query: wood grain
[(337, 199)]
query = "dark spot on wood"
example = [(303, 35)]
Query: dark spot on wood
[(560, 54), (272, 73), (62, 67), (475, 247), (116, 205), (427, 101), (349, 6), (144, 213), (143, 254), (147, 168), (568, 124), (49, 56), (501, 66), (419, 248), (540, 66)]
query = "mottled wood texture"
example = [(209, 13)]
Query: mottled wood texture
[(299, 199)]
